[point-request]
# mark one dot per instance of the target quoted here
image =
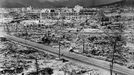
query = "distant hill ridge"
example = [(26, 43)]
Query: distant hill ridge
[(129, 2), (54, 3)]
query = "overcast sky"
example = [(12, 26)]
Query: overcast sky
[(52, 3)]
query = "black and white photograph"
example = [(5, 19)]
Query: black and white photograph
[(66, 37)]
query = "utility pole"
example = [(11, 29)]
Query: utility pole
[(112, 61), (26, 32), (59, 49), (8, 31), (15, 48), (37, 67), (83, 45), (40, 15)]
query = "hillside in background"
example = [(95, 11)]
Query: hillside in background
[(129, 2), (53, 3)]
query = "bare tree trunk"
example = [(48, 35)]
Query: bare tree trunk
[(112, 61)]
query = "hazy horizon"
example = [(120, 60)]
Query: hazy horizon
[(53, 3)]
